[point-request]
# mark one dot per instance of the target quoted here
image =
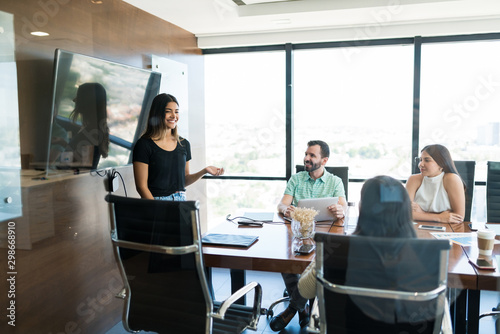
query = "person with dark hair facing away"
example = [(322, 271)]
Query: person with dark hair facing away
[(438, 192), (314, 182), (161, 157), (384, 211), (92, 140)]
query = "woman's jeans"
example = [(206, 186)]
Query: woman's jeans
[(179, 196)]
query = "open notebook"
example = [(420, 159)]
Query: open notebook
[(238, 240)]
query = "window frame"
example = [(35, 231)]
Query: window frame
[(417, 42)]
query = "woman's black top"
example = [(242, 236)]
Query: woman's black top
[(166, 169)]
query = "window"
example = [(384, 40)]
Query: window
[(460, 104), (460, 100), (245, 129), (238, 196), (360, 102), (245, 112)]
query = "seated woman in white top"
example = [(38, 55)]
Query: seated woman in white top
[(438, 192)]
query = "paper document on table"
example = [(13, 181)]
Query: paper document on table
[(462, 239), (493, 226)]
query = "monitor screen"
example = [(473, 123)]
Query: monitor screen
[(99, 110)]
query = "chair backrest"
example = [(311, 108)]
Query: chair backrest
[(158, 249), (493, 192), (340, 171), (466, 169), (380, 285)]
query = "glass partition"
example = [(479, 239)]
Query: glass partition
[(10, 153)]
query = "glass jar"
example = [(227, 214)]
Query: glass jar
[(351, 218), (303, 230)]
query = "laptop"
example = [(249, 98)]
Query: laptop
[(321, 205)]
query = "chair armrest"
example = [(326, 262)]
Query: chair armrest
[(171, 250), (383, 293), (237, 295)]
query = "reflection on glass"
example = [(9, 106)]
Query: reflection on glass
[(98, 111), (90, 141), (358, 100), (10, 153)]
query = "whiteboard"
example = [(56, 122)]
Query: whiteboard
[(174, 81)]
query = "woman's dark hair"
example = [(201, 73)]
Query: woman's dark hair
[(442, 157), (385, 209), (157, 127), (90, 108)]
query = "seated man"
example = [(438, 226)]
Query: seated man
[(314, 182)]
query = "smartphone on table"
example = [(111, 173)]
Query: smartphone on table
[(484, 263), (432, 228), (306, 248)]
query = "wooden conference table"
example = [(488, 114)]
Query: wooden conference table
[(273, 252)]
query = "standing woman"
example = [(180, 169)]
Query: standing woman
[(161, 157), (438, 192)]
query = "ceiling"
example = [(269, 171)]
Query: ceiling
[(222, 23)]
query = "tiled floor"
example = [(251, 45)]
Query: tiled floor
[(272, 289), (489, 325)]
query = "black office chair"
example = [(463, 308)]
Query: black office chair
[(493, 192), (493, 215), (340, 171), (381, 285), (466, 169), (157, 246)]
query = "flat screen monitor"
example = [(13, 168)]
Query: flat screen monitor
[(99, 110)]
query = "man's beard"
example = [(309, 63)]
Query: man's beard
[(314, 166)]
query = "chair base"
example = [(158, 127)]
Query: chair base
[(494, 311), (270, 311), (237, 319)]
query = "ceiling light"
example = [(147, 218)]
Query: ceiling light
[(256, 2), (96, 2), (39, 33)]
